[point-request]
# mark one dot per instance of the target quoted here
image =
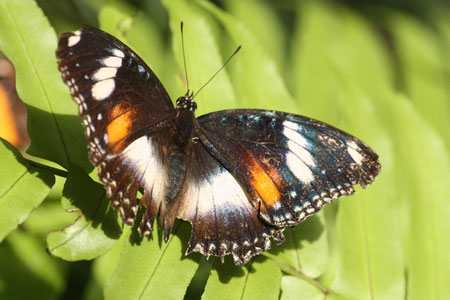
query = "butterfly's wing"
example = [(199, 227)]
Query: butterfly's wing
[(126, 115), (223, 220), (255, 172), (289, 164)]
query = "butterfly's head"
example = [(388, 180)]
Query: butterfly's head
[(187, 102)]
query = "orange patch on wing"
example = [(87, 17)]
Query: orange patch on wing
[(119, 126), (264, 184)]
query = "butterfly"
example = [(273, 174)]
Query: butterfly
[(239, 176)]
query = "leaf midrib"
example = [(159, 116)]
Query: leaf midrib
[(15, 182), (245, 282)]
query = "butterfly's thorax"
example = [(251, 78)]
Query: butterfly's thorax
[(184, 125), (184, 122)]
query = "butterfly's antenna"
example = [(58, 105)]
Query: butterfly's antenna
[(184, 58), (234, 53)]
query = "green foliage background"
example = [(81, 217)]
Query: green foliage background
[(379, 70)]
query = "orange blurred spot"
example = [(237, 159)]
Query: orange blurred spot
[(8, 126), (120, 126), (264, 184)]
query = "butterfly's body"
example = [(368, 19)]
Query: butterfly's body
[(183, 134), (238, 176)]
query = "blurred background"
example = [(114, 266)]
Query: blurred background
[(377, 69)]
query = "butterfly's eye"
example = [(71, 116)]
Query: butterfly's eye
[(180, 102)]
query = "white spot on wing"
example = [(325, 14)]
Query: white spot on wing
[(141, 155), (118, 53), (356, 156), (112, 61), (225, 191), (103, 89), (104, 73), (220, 191), (302, 153), (73, 40), (299, 168), (290, 132)]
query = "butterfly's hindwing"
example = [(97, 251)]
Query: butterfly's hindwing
[(223, 220)]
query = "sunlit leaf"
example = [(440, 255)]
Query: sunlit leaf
[(203, 58), (423, 63), (296, 288), (270, 33), (29, 41), (95, 231), (259, 279), (306, 247), (22, 188), (342, 74), (255, 75), (146, 265)]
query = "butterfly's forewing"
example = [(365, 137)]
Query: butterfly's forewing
[(289, 164), (126, 114)]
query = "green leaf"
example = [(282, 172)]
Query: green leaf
[(295, 288), (343, 72), (260, 279), (422, 173), (146, 265), (148, 41), (203, 58), (30, 250), (49, 214), (115, 21), (306, 247), (22, 188), (95, 231), (255, 75), (324, 59), (102, 268), (27, 271), (54, 128), (423, 64), (270, 33)]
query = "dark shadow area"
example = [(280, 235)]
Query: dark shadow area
[(197, 285), (228, 269), (42, 174), (90, 197), (309, 230), (79, 276), (182, 229), (134, 238), (18, 281), (46, 138)]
